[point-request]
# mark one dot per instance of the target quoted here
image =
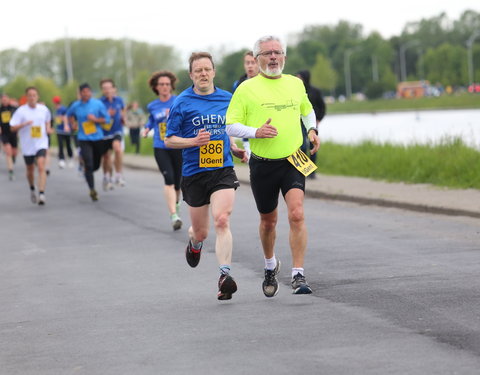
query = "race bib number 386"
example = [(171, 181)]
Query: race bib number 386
[(211, 155), (302, 162)]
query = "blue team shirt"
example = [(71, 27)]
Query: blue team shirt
[(59, 126), (157, 120), (192, 112), (80, 110), (114, 126)]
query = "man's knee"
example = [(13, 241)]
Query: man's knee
[(296, 214), (222, 221)]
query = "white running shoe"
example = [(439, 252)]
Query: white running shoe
[(120, 181), (41, 199), (176, 221), (61, 164), (33, 196)]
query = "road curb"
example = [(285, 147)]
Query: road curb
[(380, 202)]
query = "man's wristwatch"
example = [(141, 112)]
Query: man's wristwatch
[(314, 129)]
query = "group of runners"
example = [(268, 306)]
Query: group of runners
[(95, 125), (193, 145)]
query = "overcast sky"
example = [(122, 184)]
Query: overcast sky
[(208, 24)]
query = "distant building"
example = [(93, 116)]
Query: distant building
[(412, 89)]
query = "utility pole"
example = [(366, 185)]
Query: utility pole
[(470, 42), (375, 76), (128, 64), (403, 65), (68, 57), (346, 65)]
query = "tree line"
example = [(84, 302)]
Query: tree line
[(433, 49)]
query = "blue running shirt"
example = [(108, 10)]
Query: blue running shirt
[(192, 112), (88, 131), (158, 120), (114, 126)]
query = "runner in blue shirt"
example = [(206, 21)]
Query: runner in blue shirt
[(197, 125), (169, 160), (113, 134), (89, 114), (63, 130)]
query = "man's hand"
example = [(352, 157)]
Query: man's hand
[(145, 132), (266, 130), (239, 153), (202, 138), (314, 140), (91, 117)]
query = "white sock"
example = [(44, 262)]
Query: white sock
[(197, 245), (297, 270), (271, 263)]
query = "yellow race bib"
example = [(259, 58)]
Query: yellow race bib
[(36, 132), (162, 128), (59, 120), (6, 116), (89, 127), (107, 126), (211, 155), (302, 162)]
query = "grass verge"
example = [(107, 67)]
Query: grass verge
[(450, 163)]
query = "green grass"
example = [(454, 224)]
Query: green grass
[(463, 101), (450, 163), (146, 146)]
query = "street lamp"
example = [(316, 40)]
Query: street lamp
[(375, 68), (403, 48), (470, 41), (346, 65)]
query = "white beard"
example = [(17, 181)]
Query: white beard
[(273, 72)]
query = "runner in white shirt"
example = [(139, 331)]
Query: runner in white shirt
[(32, 122)]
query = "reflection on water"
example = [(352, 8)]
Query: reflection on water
[(403, 127)]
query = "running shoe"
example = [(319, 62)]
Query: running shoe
[(226, 287), (11, 176), (176, 221), (41, 199), (120, 181), (94, 195), (61, 164), (107, 184), (33, 196), (299, 285), (193, 255), (270, 283)]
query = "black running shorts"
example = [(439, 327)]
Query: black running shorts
[(169, 163), (197, 189), (10, 138), (268, 178), (30, 159)]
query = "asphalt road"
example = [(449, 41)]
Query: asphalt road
[(104, 288)]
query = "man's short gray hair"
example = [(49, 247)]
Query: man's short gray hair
[(267, 38)]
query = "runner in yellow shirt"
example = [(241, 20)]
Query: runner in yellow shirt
[(275, 102)]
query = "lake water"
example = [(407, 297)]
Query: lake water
[(403, 127)]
